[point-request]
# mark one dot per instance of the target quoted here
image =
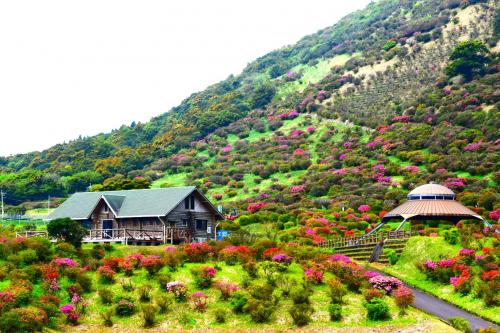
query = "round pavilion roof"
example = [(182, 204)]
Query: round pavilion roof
[(431, 189), (432, 201)]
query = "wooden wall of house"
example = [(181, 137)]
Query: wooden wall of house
[(201, 211), (100, 214)]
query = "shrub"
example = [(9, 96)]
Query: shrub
[(377, 309), (226, 288), (84, 281), (200, 301), (487, 330), (163, 302), (125, 307), (145, 292), (238, 301), (71, 314), (163, 279), (152, 264), (220, 315), (68, 230), (29, 319), (460, 324), (386, 283), (260, 311), (285, 283), (107, 317), (233, 254), (106, 274), (301, 314), (337, 291), (7, 301), (452, 236), (300, 296), (403, 297), (178, 289), (371, 293), (314, 275), (198, 252), (203, 276), (148, 312), (251, 267), (335, 311), (391, 255)]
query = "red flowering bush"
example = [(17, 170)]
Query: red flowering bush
[(7, 301), (256, 206), (404, 298), (198, 252), (314, 275), (28, 319), (71, 314), (233, 254), (152, 264), (106, 274)]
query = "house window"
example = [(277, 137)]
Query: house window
[(106, 208), (189, 202), (201, 224), (184, 222)]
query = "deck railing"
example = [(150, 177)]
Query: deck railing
[(171, 234), (32, 233), (371, 239)]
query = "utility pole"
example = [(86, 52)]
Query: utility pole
[(2, 194), (48, 205)]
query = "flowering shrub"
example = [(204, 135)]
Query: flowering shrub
[(386, 283), (282, 258), (65, 262), (226, 288), (70, 312), (200, 301), (403, 297), (235, 254), (152, 264), (462, 283), (203, 276), (27, 319), (178, 289), (314, 275), (106, 274), (256, 206), (363, 208), (198, 252), (125, 308), (340, 257), (7, 301)]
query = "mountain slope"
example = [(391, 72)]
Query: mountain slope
[(308, 122)]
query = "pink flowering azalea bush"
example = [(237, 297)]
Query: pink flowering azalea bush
[(226, 288), (70, 312), (198, 252), (178, 289), (203, 276), (385, 283), (200, 301)]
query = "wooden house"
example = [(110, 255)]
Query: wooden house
[(150, 216)]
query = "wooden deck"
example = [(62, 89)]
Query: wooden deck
[(126, 236)]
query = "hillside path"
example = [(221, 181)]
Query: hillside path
[(444, 310)]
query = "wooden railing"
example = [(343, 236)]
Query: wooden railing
[(370, 239), (32, 233), (171, 234)]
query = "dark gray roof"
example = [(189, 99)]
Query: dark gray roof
[(130, 203)]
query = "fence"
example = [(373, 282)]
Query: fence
[(371, 239)]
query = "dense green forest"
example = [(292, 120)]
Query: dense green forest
[(394, 95)]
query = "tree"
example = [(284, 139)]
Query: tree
[(68, 230), (468, 58)]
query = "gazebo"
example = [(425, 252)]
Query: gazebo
[(430, 202)]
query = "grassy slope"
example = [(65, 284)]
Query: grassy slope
[(354, 313), (422, 248)]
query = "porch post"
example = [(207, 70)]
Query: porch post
[(164, 238)]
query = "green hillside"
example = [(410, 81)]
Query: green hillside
[(356, 113)]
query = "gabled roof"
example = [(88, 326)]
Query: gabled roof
[(129, 203)]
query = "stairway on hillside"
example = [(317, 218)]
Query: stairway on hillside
[(363, 252)]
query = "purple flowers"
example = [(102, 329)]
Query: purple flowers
[(446, 262), (473, 146), (289, 115), (67, 308), (386, 283), (65, 262), (297, 188), (227, 149), (282, 258), (341, 258), (412, 169), (467, 252), (370, 274), (401, 119), (430, 264)]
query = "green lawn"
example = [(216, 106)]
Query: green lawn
[(176, 179), (422, 248)]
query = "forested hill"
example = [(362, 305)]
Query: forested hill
[(394, 95)]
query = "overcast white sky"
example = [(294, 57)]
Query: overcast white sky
[(70, 68)]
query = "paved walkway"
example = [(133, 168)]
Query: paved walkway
[(444, 310)]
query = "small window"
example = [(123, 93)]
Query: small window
[(201, 224), (184, 222), (106, 208), (189, 202)]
